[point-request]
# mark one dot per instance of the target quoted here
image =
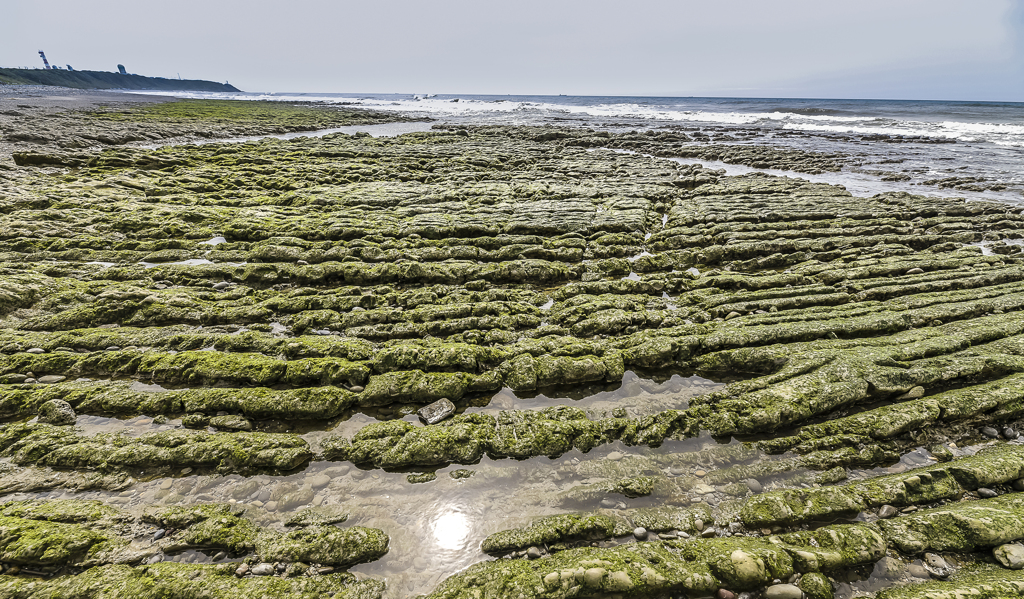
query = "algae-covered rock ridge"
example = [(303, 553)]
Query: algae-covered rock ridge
[(493, 361)]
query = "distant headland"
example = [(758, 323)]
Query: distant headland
[(107, 80)]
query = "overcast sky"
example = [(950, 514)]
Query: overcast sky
[(912, 49)]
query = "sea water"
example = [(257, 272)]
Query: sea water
[(919, 141)]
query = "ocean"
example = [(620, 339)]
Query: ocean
[(961, 149)]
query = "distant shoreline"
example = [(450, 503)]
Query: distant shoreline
[(104, 80)]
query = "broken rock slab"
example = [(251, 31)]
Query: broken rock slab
[(437, 411)]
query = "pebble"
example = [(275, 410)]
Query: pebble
[(113, 348), (990, 432), (887, 511), (263, 569), (1010, 433), (700, 473), (987, 493), (915, 271), (754, 485), (890, 567), (676, 471), (357, 389), (51, 379), (159, 534), (640, 533), (534, 553), (936, 566), (724, 594), (708, 533), (783, 591), (320, 480), (219, 556), (1010, 555), (36, 350), (221, 285), (615, 456), (437, 411), (1018, 485), (242, 570)]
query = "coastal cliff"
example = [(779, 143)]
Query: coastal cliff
[(106, 80)]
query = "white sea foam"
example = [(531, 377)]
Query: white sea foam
[(1003, 134)]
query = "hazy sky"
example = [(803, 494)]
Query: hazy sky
[(916, 49)]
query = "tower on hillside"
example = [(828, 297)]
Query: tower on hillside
[(46, 63), (120, 69)]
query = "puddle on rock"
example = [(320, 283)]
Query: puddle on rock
[(436, 527), (636, 395), (134, 427)]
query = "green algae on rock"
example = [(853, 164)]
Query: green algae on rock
[(314, 284), (187, 581)]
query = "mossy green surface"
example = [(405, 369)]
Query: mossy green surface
[(294, 284), (186, 581)]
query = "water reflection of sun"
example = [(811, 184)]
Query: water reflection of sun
[(451, 530)]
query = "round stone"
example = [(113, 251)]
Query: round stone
[(36, 350), (1010, 555), (615, 456), (1010, 433), (887, 511), (640, 533), (534, 553), (242, 570), (783, 591), (51, 379), (320, 480), (551, 580), (263, 569), (990, 432), (890, 567), (1018, 485), (917, 571), (57, 412), (700, 473), (725, 594), (987, 493), (754, 485)]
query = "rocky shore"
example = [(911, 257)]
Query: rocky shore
[(212, 358)]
